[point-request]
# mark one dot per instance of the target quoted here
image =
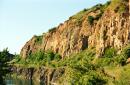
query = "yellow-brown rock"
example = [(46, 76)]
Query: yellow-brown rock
[(111, 29)]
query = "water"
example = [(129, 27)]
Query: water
[(17, 81)]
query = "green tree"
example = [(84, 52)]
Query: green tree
[(90, 20), (5, 56)]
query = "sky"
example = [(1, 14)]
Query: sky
[(21, 19)]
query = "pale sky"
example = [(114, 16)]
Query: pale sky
[(21, 19)]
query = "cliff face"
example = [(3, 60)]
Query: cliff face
[(46, 76), (101, 26)]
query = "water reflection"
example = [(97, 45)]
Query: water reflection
[(1, 80), (17, 81)]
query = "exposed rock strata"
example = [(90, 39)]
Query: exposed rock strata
[(46, 76), (73, 36)]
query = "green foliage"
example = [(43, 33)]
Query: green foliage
[(126, 51), (5, 57), (96, 7), (99, 16), (107, 4), (114, 3), (39, 58), (57, 57), (92, 78), (79, 70), (90, 20), (119, 6), (38, 39), (111, 58), (124, 77), (110, 52), (122, 9), (52, 29), (50, 55), (79, 17), (17, 58), (99, 7), (121, 59), (105, 62)]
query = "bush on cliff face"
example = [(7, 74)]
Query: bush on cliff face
[(38, 39), (99, 7), (119, 6), (79, 17), (90, 20)]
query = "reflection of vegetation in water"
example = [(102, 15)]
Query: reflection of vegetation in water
[(20, 81)]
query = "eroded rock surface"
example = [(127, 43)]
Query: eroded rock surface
[(78, 33)]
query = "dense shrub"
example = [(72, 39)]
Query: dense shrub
[(120, 59), (5, 57), (110, 52), (38, 39), (40, 58), (127, 51), (105, 62), (37, 56), (17, 58), (111, 58), (81, 71), (90, 20), (57, 57), (92, 78), (124, 77)]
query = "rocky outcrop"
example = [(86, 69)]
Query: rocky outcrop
[(46, 76), (96, 27)]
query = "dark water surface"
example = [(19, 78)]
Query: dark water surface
[(17, 81)]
